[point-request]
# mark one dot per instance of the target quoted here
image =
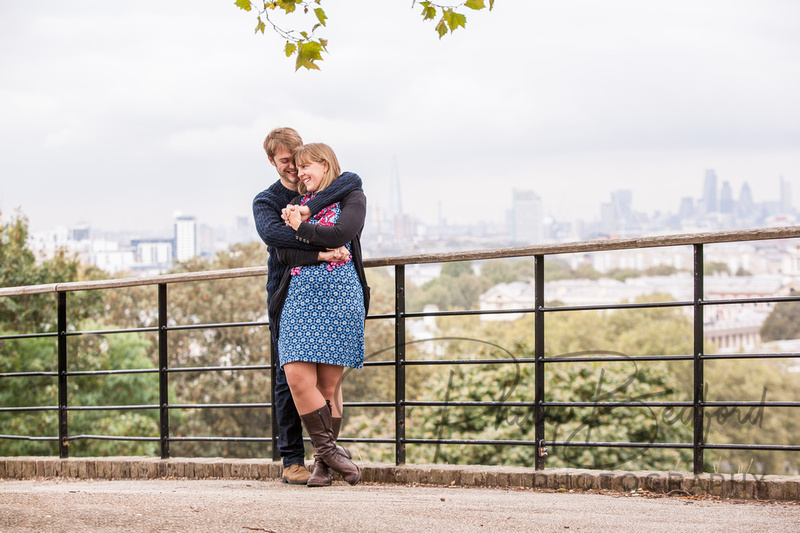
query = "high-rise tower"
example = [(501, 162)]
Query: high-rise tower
[(185, 237)]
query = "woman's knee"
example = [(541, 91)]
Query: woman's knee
[(300, 376)]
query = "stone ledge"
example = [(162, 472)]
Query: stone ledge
[(734, 486)]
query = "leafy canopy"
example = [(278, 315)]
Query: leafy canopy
[(302, 41)]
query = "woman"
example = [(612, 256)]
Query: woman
[(320, 310)]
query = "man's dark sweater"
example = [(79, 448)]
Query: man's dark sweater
[(267, 207)]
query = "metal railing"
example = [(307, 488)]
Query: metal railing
[(539, 404)]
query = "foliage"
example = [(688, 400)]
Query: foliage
[(572, 334), (457, 288), (782, 323), (715, 267), (18, 267), (88, 353), (308, 48), (555, 269), (504, 271), (753, 381)]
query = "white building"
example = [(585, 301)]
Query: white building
[(185, 237)]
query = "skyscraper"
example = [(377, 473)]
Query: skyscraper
[(527, 219), (786, 196), (185, 237), (710, 191), (726, 203)]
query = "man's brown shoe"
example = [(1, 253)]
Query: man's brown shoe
[(296, 474)]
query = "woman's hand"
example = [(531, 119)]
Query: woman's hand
[(295, 214), (335, 255)]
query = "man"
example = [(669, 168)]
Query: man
[(280, 145)]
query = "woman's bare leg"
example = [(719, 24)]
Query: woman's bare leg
[(302, 379), (329, 384)]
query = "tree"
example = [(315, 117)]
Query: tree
[(783, 323), (308, 47), (506, 271), (568, 334)]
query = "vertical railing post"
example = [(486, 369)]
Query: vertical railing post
[(538, 327), (163, 366), (697, 444), (399, 363), (63, 422), (275, 363)]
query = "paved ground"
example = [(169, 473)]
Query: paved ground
[(269, 506)]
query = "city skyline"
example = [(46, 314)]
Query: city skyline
[(118, 114)]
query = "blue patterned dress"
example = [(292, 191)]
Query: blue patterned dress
[(323, 317)]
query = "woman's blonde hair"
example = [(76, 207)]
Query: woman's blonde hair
[(319, 153)]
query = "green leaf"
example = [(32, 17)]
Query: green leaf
[(307, 53), (441, 28), (428, 11), (286, 5), (491, 4), (260, 26), (475, 4), (320, 15), (244, 4), (290, 48), (454, 20)]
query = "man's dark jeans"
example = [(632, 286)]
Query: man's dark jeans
[(290, 427)]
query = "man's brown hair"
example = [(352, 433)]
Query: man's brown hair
[(285, 138)]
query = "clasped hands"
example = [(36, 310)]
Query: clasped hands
[(294, 215)]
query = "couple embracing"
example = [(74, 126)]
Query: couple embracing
[(317, 294)]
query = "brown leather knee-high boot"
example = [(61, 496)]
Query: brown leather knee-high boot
[(319, 425), (321, 474)]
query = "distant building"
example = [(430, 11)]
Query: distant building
[(710, 191), (154, 253), (527, 218), (786, 197), (726, 203), (185, 237)]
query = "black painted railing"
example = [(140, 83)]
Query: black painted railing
[(539, 404)]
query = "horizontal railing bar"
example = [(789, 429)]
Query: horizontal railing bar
[(550, 443), (770, 447), (751, 404), (218, 405), (616, 358), (785, 355), (110, 407), (29, 408), (466, 312), (573, 444), (220, 439), (616, 306), (28, 336), (217, 368), (467, 441), (216, 326), (25, 437), (113, 437), (27, 374), (763, 299), (112, 372), (787, 232), (111, 331), (369, 404), (617, 404), (465, 361)]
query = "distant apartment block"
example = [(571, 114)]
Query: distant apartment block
[(185, 237)]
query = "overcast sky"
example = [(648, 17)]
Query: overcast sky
[(121, 113)]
